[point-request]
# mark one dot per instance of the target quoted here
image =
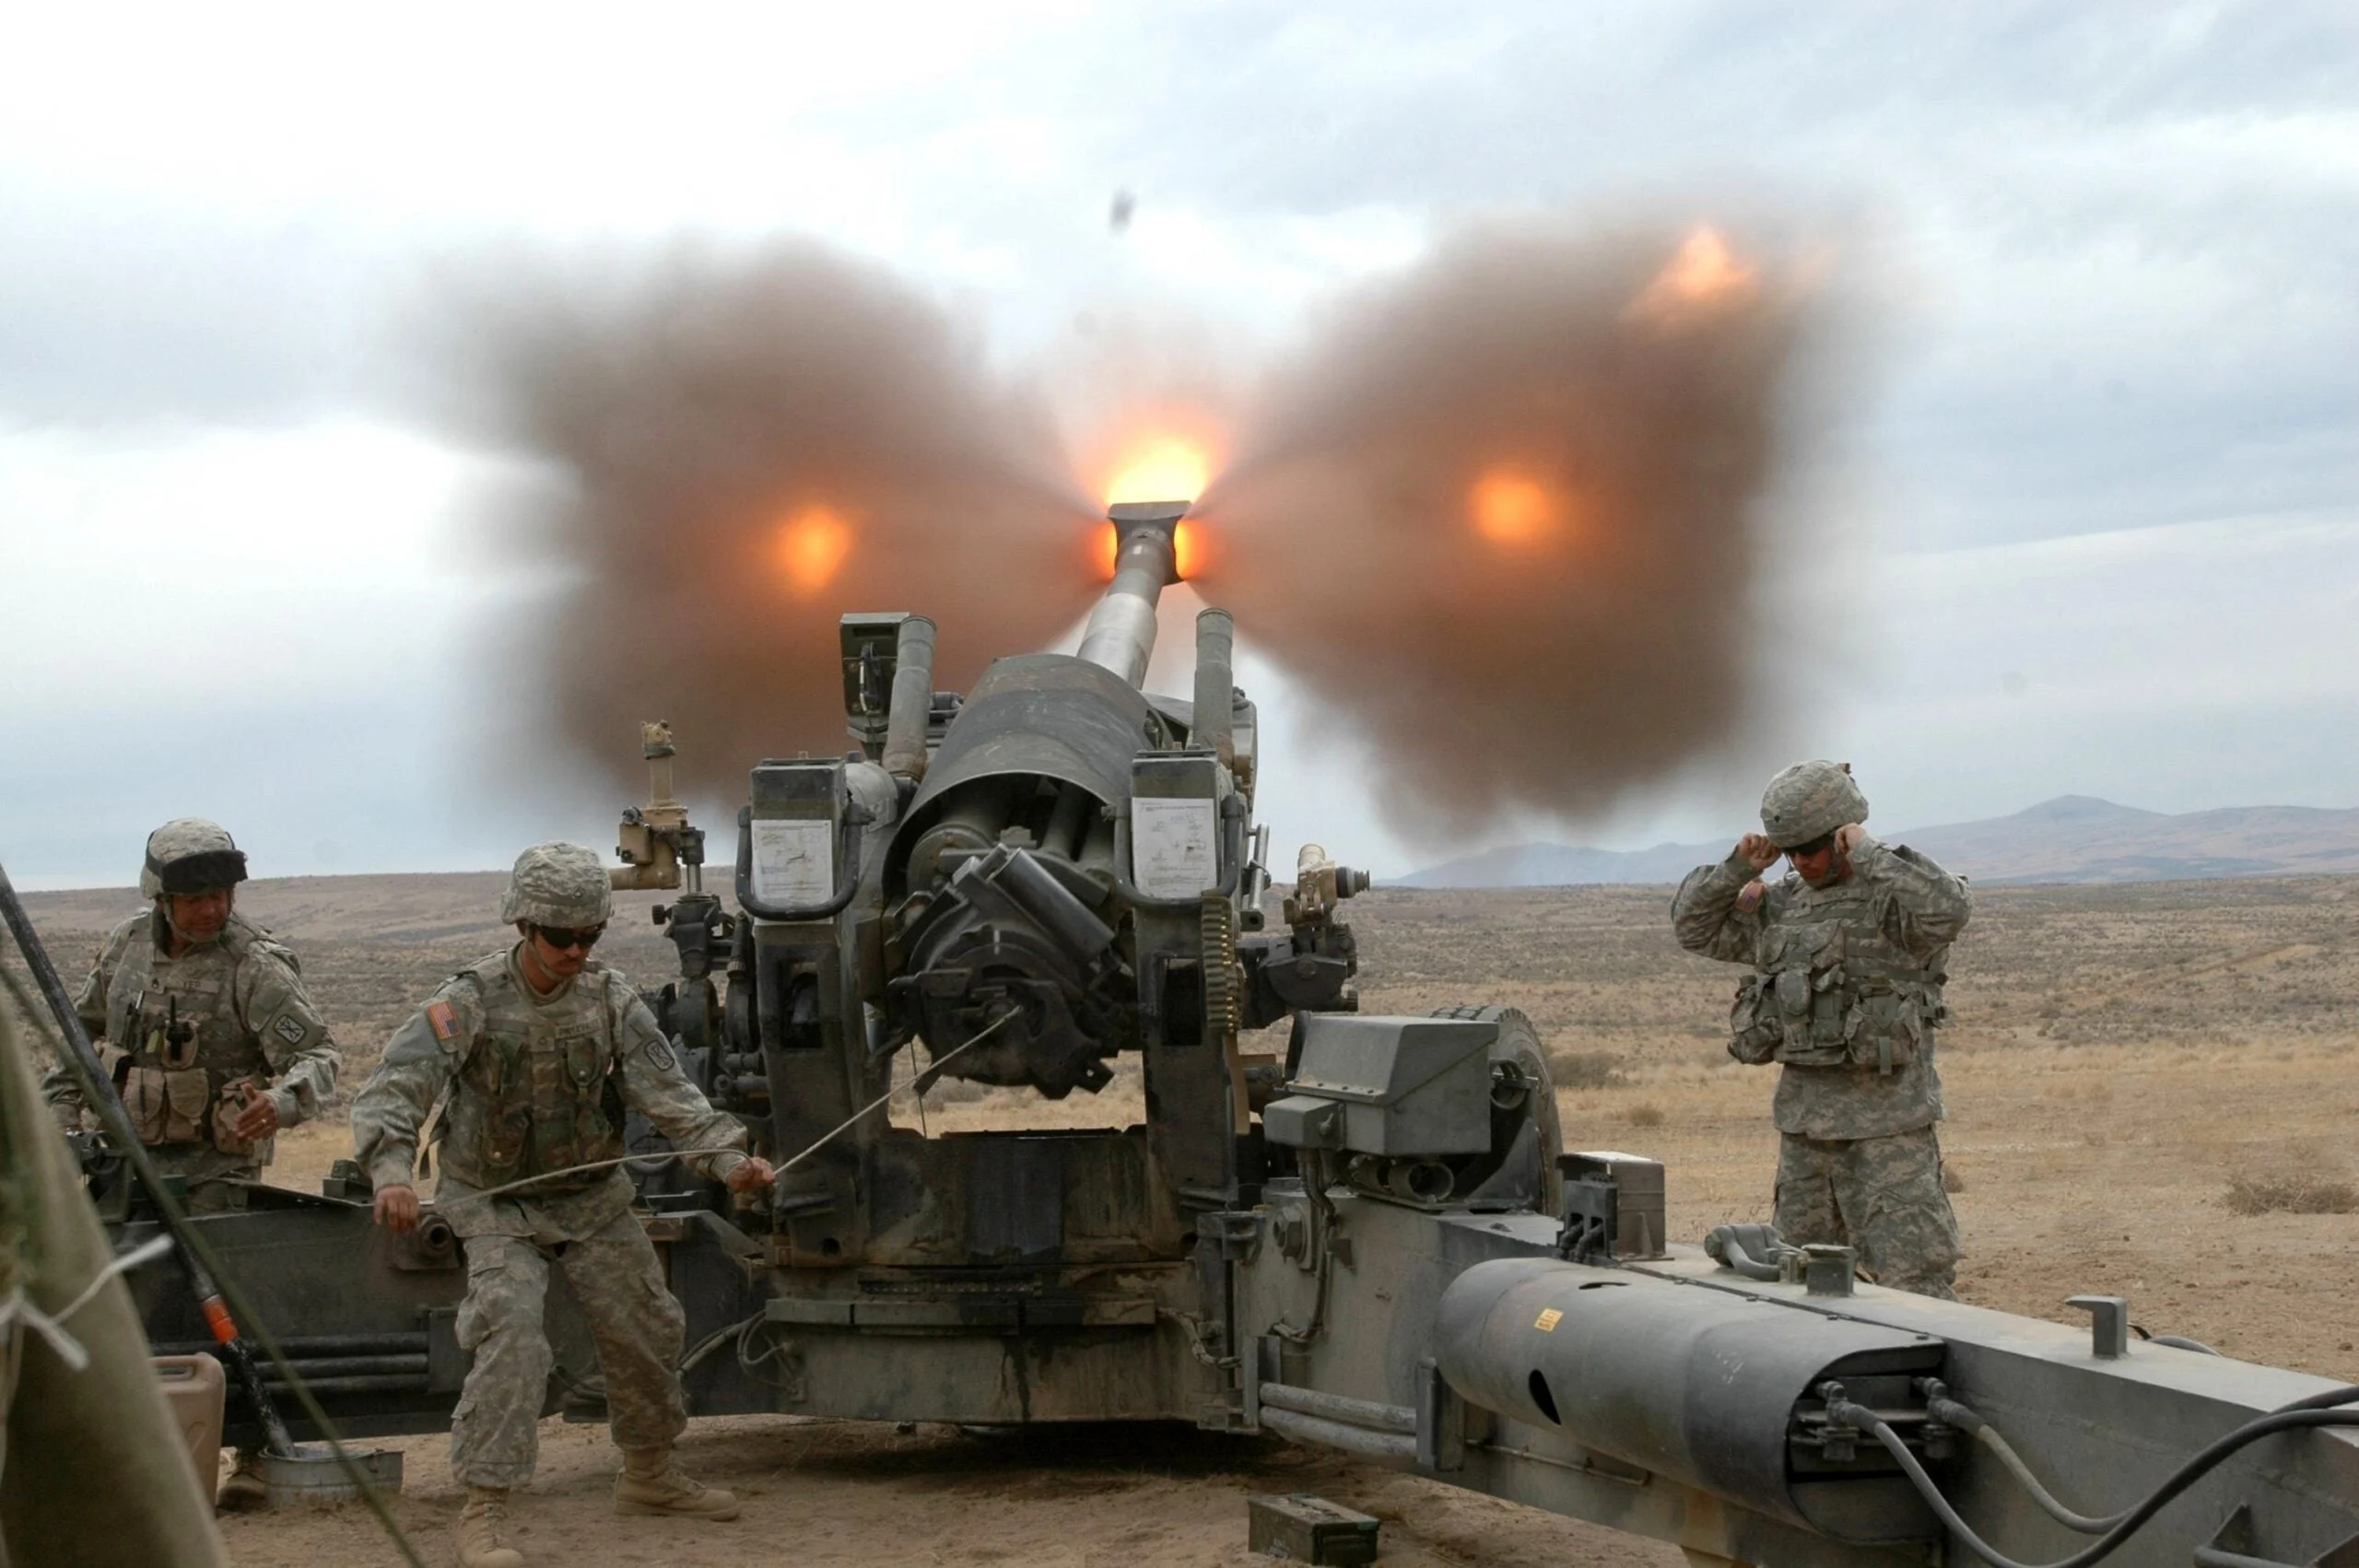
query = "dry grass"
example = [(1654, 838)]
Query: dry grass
[(1586, 1070), (2292, 1194), (1646, 1113)]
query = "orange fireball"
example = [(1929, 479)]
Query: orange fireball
[(1161, 468), (810, 550), (1512, 508)]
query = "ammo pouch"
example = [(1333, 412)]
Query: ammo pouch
[(167, 1104), (1754, 1032), (499, 1129), (225, 1111), (1817, 1018), (1811, 1013), (1885, 1028)]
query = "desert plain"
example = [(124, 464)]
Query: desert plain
[(2152, 1091)]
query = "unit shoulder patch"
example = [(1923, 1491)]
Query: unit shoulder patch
[(289, 1029)]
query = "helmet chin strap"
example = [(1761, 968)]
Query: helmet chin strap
[(164, 907)]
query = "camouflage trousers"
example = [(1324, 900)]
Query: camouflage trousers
[(495, 1433), (1883, 1195)]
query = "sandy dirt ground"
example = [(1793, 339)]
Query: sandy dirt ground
[(2141, 1079)]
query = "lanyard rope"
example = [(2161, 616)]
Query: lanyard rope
[(814, 1147)]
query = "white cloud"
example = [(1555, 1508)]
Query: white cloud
[(2175, 668), (236, 570)]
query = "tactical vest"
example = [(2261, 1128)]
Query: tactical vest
[(1832, 989), (539, 1086), (179, 1043)]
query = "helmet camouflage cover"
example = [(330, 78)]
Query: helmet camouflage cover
[(1809, 801), (558, 884), (189, 854)]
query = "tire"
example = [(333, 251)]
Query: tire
[(1519, 1043)]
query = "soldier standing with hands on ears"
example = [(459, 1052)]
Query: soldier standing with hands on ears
[(540, 1051), (1848, 952)]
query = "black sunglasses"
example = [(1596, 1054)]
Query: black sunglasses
[(1817, 846), (562, 936)]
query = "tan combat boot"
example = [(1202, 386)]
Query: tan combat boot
[(244, 1489), (483, 1530), (650, 1484)]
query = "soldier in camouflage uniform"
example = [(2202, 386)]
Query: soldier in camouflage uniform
[(206, 1025), (1847, 952), (536, 1053)]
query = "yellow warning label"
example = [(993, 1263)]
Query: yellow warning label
[(1546, 1322)]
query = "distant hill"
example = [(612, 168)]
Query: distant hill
[(2072, 838)]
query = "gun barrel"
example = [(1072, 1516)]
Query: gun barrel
[(1120, 634), (1215, 727)]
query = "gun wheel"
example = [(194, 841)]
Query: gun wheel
[(1519, 1043)]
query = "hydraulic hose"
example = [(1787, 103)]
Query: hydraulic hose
[(1964, 1420), (2177, 1342), (1943, 1408), (1842, 1411)]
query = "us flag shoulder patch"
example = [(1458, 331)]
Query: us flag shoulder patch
[(289, 1030), (443, 1019)]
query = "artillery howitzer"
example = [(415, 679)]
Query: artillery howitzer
[(1377, 1243)]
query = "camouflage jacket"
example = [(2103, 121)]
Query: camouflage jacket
[(528, 1085), (241, 1004), (1847, 985)]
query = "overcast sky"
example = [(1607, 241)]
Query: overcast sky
[(2089, 498)]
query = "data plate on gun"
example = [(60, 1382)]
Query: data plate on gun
[(1175, 851), (794, 860)]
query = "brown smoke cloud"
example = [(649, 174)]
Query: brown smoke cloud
[(1505, 517), (748, 449)]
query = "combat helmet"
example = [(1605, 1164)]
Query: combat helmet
[(1809, 801), (190, 855), (558, 884)]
